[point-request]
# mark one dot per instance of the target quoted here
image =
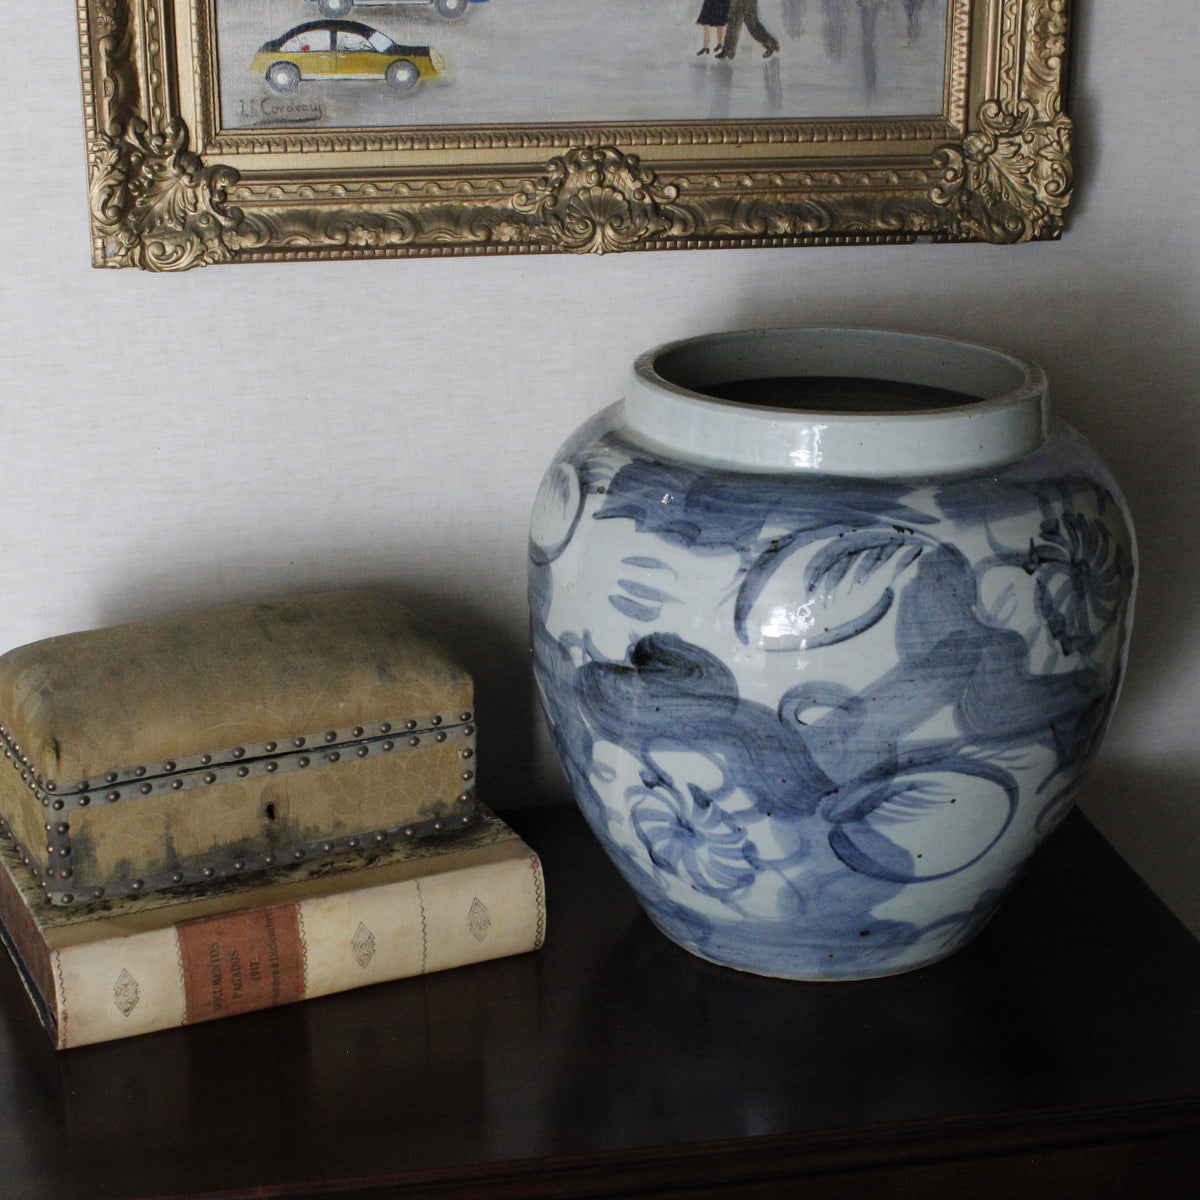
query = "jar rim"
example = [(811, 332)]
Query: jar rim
[(1005, 418)]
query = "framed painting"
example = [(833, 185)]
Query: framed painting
[(266, 130)]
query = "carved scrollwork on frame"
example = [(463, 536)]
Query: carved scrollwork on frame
[(156, 204), (170, 189), (594, 199), (1010, 179)]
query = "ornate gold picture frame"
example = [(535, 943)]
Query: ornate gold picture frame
[(527, 135)]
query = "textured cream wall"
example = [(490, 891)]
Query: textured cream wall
[(234, 432)]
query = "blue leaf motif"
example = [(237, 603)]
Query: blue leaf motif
[(640, 601), (857, 556), (635, 610), (649, 564), (644, 592), (851, 629)]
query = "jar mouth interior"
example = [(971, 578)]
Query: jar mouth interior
[(837, 394), (843, 371)]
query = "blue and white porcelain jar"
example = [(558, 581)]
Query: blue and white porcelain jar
[(827, 625)]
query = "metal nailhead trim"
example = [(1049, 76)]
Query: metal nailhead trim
[(331, 736), (258, 759)]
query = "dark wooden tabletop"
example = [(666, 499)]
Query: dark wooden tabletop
[(1058, 1056)]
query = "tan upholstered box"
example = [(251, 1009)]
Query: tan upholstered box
[(186, 748)]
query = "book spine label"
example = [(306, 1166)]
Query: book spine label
[(234, 963), (237, 963)]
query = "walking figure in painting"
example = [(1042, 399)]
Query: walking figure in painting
[(745, 12), (714, 14)]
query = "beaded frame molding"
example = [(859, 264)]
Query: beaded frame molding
[(172, 188)]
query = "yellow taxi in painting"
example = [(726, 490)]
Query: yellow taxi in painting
[(343, 50)]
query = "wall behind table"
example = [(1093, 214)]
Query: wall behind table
[(233, 433)]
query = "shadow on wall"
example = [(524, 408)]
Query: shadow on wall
[(1161, 842), (486, 647)]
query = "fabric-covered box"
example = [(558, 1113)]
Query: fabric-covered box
[(166, 752)]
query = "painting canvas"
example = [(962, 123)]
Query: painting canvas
[(267, 130), (506, 62)]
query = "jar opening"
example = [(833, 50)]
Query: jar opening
[(845, 401)]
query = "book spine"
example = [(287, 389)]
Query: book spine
[(237, 962)]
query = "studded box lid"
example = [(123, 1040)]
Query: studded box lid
[(217, 710)]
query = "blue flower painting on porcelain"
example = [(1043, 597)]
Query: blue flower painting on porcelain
[(819, 723)]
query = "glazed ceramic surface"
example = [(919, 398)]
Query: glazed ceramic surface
[(822, 680)]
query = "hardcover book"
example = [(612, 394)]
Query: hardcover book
[(130, 965)]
